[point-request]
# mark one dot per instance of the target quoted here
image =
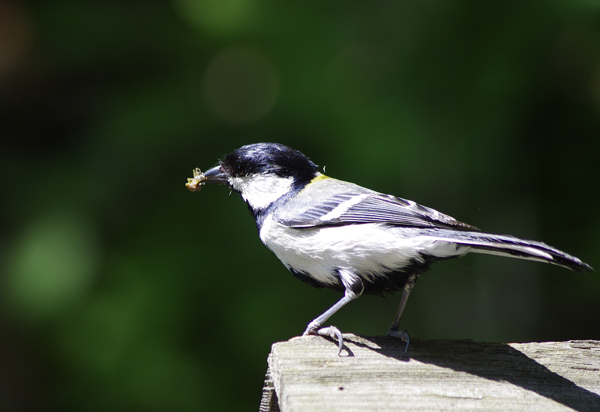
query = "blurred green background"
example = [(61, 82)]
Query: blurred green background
[(120, 290)]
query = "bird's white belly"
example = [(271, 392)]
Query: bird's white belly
[(366, 249)]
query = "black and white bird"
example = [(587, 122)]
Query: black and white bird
[(338, 235)]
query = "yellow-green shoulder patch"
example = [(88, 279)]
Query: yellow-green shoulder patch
[(319, 177)]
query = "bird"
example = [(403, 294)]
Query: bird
[(335, 234)]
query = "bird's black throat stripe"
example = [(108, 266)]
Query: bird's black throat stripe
[(261, 214)]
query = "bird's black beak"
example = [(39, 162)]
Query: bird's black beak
[(214, 175)]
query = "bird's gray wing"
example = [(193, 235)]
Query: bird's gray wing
[(368, 207)]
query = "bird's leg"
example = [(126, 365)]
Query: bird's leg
[(394, 329), (354, 288)]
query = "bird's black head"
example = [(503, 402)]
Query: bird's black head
[(263, 174), (269, 159)]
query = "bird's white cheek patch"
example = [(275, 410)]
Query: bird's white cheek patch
[(261, 190)]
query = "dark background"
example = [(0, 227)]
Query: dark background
[(120, 290)]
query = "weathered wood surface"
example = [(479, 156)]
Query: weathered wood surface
[(305, 374)]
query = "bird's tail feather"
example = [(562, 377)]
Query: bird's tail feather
[(510, 246)]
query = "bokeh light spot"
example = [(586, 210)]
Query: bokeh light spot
[(218, 17), (240, 85), (52, 265), (15, 37)]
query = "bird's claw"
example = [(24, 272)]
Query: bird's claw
[(334, 333), (402, 335), (329, 331)]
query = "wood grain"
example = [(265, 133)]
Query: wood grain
[(305, 374)]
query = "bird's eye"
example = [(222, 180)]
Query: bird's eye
[(240, 169)]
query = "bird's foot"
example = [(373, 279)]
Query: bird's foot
[(329, 331), (402, 335)]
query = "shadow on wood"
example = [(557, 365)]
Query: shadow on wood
[(306, 374)]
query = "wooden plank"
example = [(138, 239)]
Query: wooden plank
[(268, 401), (372, 375)]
